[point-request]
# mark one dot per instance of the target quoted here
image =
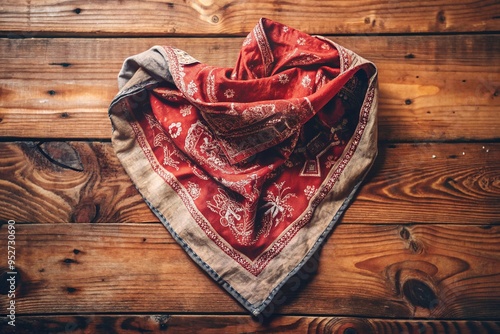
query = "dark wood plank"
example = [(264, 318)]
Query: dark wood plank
[(203, 17), (207, 324), (431, 87), (419, 271), (84, 182)]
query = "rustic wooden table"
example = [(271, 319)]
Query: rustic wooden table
[(417, 252)]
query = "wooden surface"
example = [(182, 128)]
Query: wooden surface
[(69, 181), (208, 17), (162, 323), (417, 252), (421, 271), (431, 87)]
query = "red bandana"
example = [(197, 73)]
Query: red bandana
[(248, 168)]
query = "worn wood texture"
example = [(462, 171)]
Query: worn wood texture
[(202, 17), (164, 323), (418, 251), (84, 182), (431, 87), (400, 271)]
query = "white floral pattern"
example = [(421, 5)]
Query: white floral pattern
[(229, 93), (193, 190), (175, 129), (153, 122), (283, 79), (185, 110), (233, 215), (228, 209), (309, 191), (211, 89), (168, 160), (301, 41), (202, 147), (330, 161), (169, 96), (191, 88), (183, 57), (238, 186), (306, 81), (161, 140), (258, 112), (212, 151), (277, 206)]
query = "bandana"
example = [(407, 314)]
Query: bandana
[(250, 167)]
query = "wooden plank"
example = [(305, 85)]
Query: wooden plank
[(28, 18), (84, 182), (213, 324), (431, 87), (72, 182), (418, 271)]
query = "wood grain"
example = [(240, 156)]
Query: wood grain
[(57, 182), (397, 271), (228, 17), (418, 251), (36, 188), (213, 324), (432, 88)]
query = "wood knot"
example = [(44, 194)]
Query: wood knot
[(162, 321), (69, 261), (61, 64), (408, 102), (404, 233), (440, 17), (415, 247), (410, 241), (450, 183), (71, 289), (419, 294), (86, 212), (350, 330), (77, 11), (351, 326), (61, 154)]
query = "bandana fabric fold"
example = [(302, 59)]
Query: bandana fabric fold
[(248, 167)]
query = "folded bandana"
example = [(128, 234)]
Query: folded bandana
[(248, 167)]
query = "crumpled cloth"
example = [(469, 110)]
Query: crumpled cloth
[(250, 167)]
